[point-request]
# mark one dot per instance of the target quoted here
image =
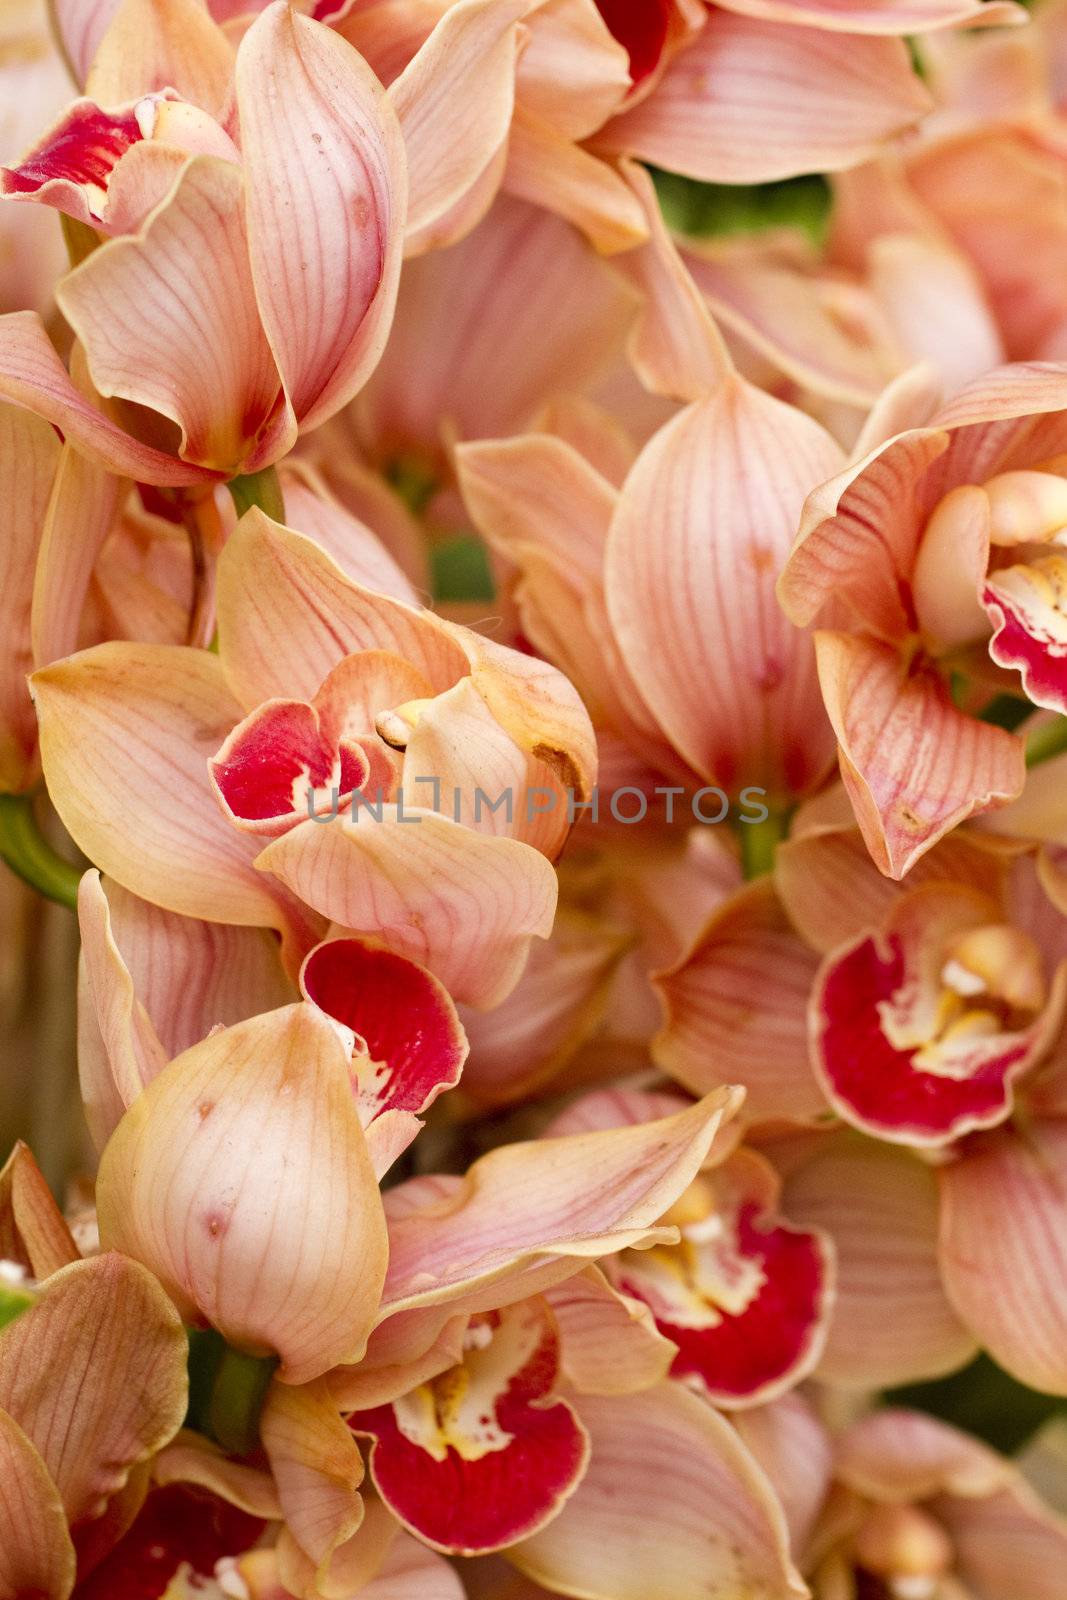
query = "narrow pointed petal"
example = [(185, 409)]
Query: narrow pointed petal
[(713, 1034), (193, 1182), (317, 1468), (169, 319), (324, 160), (880, 1208), (882, 16), (706, 519), (36, 1555), (546, 168), (545, 1203), (29, 457), (81, 514), (750, 101), (33, 1232), (406, 1020), (95, 1373), (461, 903), (486, 1453), (360, 553), (454, 102), (665, 1460), (1002, 1222), (32, 375), (126, 732), (157, 44), (913, 765)]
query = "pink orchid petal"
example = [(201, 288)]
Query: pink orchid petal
[(70, 168), (409, 1569), (1028, 633), (126, 732), (114, 1352), (29, 458), (1007, 1540), (713, 499), (36, 1553), (193, 1459), (399, 1358), (454, 102), (1002, 1220), (486, 1454), (913, 765), (402, 1015), (461, 903), (201, 359), (85, 503), (897, 1455), (33, 1232), (712, 1033), (573, 72), (324, 158), (193, 1183), (665, 1460), (881, 1086), (793, 1447), (749, 101), (80, 25), (157, 44), (610, 1343), (152, 985), (32, 375), (280, 765), (882, 16), (935, 305), (880, 1208), (546, 168), (317, 1468), (541, 1204), (358, 551)]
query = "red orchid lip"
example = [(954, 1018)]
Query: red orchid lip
[(641, 27)]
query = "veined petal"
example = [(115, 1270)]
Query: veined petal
[(1002, 1221), (573, 72), (880, 1208), (609, 1341), (1025, 602), (461, 903), (81, 515), (543, 1203), (95, 1373), (714, 1034), (357, 550), (126, 732), (169, 319), (193, 1182), (484, 1453), (705, 519), (1007, 1539), (749, 101), (324, 160), (157, 44), (191, 1458), (403, 1017), (36, 1554), (913, 765), (454, 102), (664, 1459), (795, 1450), (29, 457), (882, 16), (546, 168), (317, 1468), (33, 1232), (80, 25)]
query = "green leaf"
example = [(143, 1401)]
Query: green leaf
[(721, 209)]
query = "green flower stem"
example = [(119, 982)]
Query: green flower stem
[(27, 852), (1046, 742), (260, 489), (759, 842), (238, 1392)]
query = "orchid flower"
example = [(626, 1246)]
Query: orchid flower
[(33, 88), (323, 690), (936, 550)]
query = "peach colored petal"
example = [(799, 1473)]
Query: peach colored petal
[(36, 1554), (198, 356), (32, 1230), (665, 1460), (81, 514), (913, 765), (882, 16), (935, 306), (29, 457), (1007, 1541), (713, 1032), (126, 731), (572, 72), (1002, 1222), (193, 1182), (896, 1455), (191, 1458), (95, 1373), (156, 44), (750, 101), (461, 903), (317, 1467), (324, 158), (546, 168), (32, 375), (880, 1208), (454, 102), (796, 1452), (706, 518), (545, 1204), (610, 1344), (377, 1381), (80, 25), (356, 548)]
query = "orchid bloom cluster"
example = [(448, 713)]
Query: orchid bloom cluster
[(533, 721)]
